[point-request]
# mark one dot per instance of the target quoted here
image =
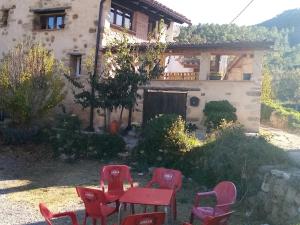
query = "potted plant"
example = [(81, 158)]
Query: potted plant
[(215, 76)]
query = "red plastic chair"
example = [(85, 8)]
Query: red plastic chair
[(49, 215), (94, 201), (225, 194), (115, 176), (155, 218), (167, 179), (216, 220)]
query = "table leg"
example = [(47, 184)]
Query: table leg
[(120, 213)]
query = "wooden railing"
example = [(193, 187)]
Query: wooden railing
[(179, 76)]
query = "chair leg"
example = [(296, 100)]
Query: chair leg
[(117, 205), (132, 208), (145, 208), (103, 221), (94, 221), (125, 206), (175, 209), (192, 218), (155, 208), (84, 220)]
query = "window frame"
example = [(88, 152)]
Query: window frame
[(116, 10), (43, 20), (5, 17)]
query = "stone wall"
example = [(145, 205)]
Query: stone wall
[(278, 202)]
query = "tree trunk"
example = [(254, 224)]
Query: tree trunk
[(129, 126), (121, 115)]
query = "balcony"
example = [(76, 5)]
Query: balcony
[(179, 76)]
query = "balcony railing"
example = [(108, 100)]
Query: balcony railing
[(179, 76)]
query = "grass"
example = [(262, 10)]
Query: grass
[(33, 177)]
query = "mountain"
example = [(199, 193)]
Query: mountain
[(289, 19)]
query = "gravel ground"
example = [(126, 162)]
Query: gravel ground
[(13, 213), (289, 142)]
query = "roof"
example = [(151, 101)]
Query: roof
[(158, 9), (236, 45), (181, 48), (179, 17)]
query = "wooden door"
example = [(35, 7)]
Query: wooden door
[(163, 102)]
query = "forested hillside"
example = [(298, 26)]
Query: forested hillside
[(289, 19)]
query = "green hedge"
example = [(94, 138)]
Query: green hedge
[(217, 111), (231, 155), (68, 138), (165, 142), (292, 115)]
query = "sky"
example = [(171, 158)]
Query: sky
[(223, 11)]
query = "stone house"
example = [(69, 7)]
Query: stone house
[(69, 29)]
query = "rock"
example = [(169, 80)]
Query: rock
[(291, 195), (281, 174)]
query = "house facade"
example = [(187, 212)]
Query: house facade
[(69, 29)]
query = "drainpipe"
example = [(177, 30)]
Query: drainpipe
[(94, 76)]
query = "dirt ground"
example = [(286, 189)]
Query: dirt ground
[(29, 176)]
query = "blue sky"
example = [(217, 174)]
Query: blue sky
[(223, 11)]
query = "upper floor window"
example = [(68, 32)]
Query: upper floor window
[(4, 14), (151, 26), (51, 20), (121, 17)]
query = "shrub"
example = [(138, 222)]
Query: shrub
[(292, 115), (217, 111), (165, 142), (231, 155), (30, 83), (69, 139)]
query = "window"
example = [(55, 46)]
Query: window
[(54, 20), (75, 65), (247, 76), (4, 14), (121, 17), (151, 26)]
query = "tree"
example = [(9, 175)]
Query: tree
[(128, 67), (30, 83), (267, 93)]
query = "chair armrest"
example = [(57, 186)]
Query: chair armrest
[(222, 206), (203, 194), (102, 185), (72, 215)]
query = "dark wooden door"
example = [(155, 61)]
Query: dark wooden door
[(161, 102)]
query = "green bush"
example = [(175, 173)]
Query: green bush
[(31, 84), (217, 111), (292, 115), (69, 139), (165, 142), (231, 155)]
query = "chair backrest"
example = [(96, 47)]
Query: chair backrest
[(167, 178), (217, 220), (225, 193), (93, 199), (46, 213), (115, 176), (155, 218)]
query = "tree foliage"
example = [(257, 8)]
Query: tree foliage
[(30, 83), (129, 66)]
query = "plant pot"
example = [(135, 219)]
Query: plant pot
[(215, 77), (114, 127)]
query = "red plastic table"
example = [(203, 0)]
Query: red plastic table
[(148, 196)]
